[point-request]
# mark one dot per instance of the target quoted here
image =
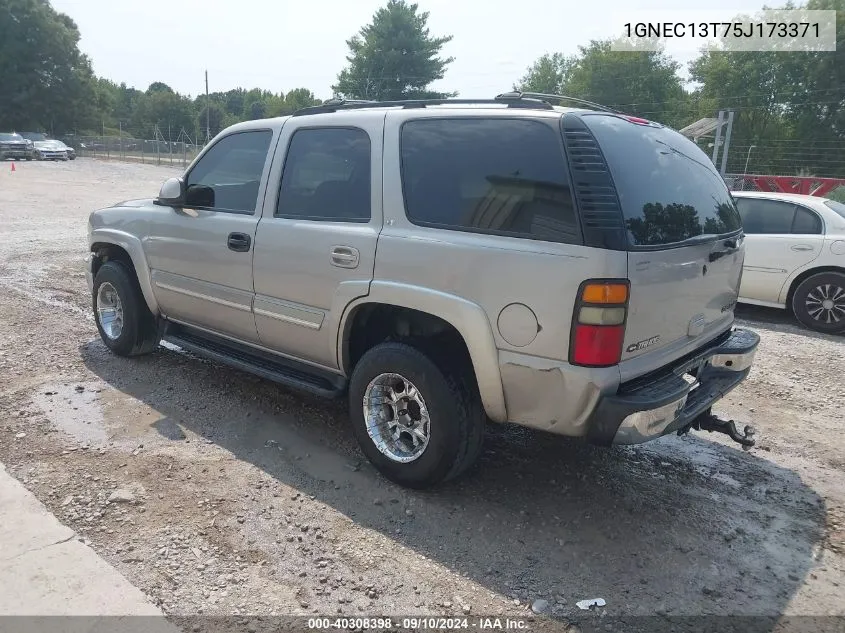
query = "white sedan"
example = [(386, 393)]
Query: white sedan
[(795, 256)]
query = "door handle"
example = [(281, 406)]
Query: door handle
[(345, 256), (239, 242), (802, 247)]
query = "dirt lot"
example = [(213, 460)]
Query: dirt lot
[(219, 493)]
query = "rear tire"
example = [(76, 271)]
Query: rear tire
[(124, 321), (450, 401), (819, 302)]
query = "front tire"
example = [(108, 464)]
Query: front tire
[(123, 319), (418, 424), (819, 302)]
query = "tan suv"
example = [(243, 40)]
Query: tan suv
[(445, 264)]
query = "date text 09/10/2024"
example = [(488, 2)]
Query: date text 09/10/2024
[(420, 623)]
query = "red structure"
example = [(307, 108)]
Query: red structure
[(808, 185)]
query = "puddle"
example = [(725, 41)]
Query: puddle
[(77, 413)]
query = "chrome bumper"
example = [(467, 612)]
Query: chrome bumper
[(656, 405)]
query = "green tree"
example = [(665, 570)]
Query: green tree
[(816, 100), (299, 98), (216, 119), (158, 86), (40, 67), (549, 74), (394, 57), (642, 82)]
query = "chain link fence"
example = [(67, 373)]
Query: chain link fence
[(152, 152)]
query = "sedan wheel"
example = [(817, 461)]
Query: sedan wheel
[(819, 302)]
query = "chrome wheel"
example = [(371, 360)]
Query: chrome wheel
[(109, 311), (397, 419), (826, 303)]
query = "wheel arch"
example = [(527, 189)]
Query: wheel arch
[(468, 319), (805, 274), (113, 244)]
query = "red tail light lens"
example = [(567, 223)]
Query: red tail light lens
[(598, 324), (637, 120), (598, 345)]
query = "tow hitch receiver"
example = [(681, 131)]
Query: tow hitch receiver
[(709, 422)]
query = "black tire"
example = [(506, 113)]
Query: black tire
[(139, 334), (457, 418), (805, 303)]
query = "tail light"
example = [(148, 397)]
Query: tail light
[(598, 323)]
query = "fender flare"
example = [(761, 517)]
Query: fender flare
[(468, 318), (812, 268), (132, 245)]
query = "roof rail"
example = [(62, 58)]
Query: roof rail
[(545, 97), (333, 105)]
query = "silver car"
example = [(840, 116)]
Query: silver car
[(51, 150), (444, 265)]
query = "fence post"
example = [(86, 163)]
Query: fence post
[(106, 142)]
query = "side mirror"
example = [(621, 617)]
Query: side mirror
[(172, 193)]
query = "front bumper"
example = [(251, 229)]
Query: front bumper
[(671, 399), (15, 153)]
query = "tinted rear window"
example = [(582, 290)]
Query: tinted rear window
[(668, 188), (499, 176)]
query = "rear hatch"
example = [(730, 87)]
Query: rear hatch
[(685, 243)]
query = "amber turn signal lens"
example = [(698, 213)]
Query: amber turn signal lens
[(605, 293)]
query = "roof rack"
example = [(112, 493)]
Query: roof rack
[(333, 105), (545, 97)]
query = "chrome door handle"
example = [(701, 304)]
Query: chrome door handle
[(802, 247), (345, 256)]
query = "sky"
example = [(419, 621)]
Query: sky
[(279, 45)]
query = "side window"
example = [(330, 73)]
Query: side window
[(500, 176), (760, 216), (226, 178), (806, 222), (327, 176)]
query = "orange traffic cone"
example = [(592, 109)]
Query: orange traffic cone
[(13, 167)]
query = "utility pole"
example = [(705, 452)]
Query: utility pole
[(727, 142), (207, 111), (718, 138)]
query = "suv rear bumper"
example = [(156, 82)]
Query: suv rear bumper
[(664, 401)]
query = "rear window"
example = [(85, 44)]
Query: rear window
[(498, 176), (669, 189)]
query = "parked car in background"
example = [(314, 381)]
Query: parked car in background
[(13, 145), (795, 256), (51, 150), (442, 264)]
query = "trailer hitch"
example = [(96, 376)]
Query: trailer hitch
[(707, 421)]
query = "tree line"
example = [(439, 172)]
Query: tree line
[(789, 106)]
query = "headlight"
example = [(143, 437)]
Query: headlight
[(28, 143)]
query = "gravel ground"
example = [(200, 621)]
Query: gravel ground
[(219, 493)]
